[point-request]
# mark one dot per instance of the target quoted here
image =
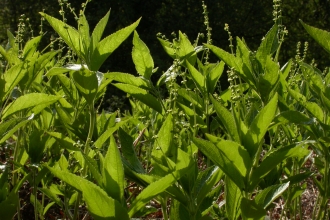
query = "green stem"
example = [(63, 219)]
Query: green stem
[(86, 150), (15, 176), (35, 193), (164, 208)]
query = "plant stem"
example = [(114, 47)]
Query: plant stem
[(86, 150), (35, 192)]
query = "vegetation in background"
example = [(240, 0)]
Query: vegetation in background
[(191, 146)]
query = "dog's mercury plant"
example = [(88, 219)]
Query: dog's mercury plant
[(197, 150)]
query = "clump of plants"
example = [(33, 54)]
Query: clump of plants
[(198, 152)]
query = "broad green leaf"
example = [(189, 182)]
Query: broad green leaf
[(142, 59), (163, 143), (205, 181), (83, 29), (94, 169), (259, 127), (186, 51), (99, 204), (268, 44), (35, 146), (268, 81), (105, 47), (98, 31), (128, 151), (275, 158), (8, 207), (28, 101), (313, 78), (233, 199), (251, 210), (191, 97), (193, 117), (320, 36), (57, 71), (87, 84), (154, 189), (12, 77), (268, 195), (325, 101), (197, 77), (64, 141), (230, 160), (234, 152), (178, 210), (233, 62), (11, 56), (141, 95), (69, 34), (31, 47), (213, 76), (9, 127), (168, 48), (292, 116), (113, 173), (226, 57), (127, 79), (244, 54), (227, 120), (106, 134), (312, 107)]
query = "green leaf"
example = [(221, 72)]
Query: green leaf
[(87, 84), (163, 143), (113, 173), (12, 77), (69, 34), (28, 101), (197, 77), (153, 190), (98, 31), (251, 211), (83, 29), (142, 59), (106, 134), (320, 36), (292, 116), (167, 47), (128, 79), (268, 195), (205, 181), (232, 159), (233, 62), (268, 81), (106, 46), (268, 44), (313, 78), (31, 47), (8, 207), (259, 126), (312, 107), (233, 199), (213, 76), (276, 157), (141, 95), (94, 169), (99, 204), (186, 51), (227, 119), (128, 151), (64, 141)]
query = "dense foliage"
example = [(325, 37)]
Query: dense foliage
[(191, 146)]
